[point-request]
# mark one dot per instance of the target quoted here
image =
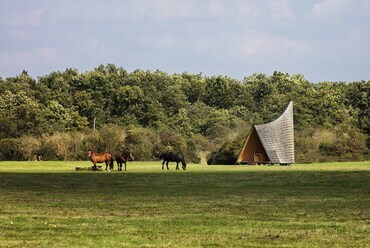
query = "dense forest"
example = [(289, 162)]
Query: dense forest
[(63, 114)]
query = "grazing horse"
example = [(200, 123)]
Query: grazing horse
[(123, 157), (173, 157), (106, 158)]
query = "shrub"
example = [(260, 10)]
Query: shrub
[(341, 143), (171, 141), (29, 146), (111, 138), (56, 146), (140, 141), (9, 149), (77, 146), (227, 154)]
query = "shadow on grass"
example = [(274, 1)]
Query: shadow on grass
[(324, 183), (216, 206)]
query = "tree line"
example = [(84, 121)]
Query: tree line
[(63, 114)]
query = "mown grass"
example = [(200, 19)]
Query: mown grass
[(49, 204)]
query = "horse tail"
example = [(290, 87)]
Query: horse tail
[(111, 162)]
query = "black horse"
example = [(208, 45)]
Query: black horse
[(123, 157), (173, 157)]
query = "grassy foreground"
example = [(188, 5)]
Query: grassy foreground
[(49, 204)]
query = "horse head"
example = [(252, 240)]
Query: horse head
[(182, 159), (90, 153), (161, 156), (131, 157), (183, 165)]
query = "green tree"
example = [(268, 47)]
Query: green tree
[(222, 92), (357, 97), (193, 86), (23, 115), (62, 119)]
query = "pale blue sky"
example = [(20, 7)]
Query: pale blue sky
[(325, 40)]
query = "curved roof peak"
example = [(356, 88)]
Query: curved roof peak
[(277, 137)]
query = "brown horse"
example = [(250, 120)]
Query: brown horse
[(106, 158), (123, 157)]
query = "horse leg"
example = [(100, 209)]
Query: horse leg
[(125, 165), (167, 164), (177, 165), (163, 164), (106, 165), (94, 167)]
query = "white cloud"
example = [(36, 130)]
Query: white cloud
[(34, 61), (163, 9), (280, 9), (329, 7), (30, 18), (215, 8), (186, 9), (34, 18), (19, 24), (47, 54), (43, 55), (229, 9), (160, 41), (337, 8), (41, 35), (265, 44)]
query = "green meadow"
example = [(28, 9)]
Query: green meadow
[(50, 204)]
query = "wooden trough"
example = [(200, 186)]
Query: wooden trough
[(89, 168)]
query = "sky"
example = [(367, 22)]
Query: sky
[(324, 40)]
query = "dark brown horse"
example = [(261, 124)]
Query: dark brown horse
[(123, 157), (173, 157), (106, 158)]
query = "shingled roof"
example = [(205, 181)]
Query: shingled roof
[(272, 142)]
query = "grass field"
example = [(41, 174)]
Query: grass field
[(49, 204)]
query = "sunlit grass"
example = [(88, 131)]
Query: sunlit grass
[(155, 167), (47, 204)]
